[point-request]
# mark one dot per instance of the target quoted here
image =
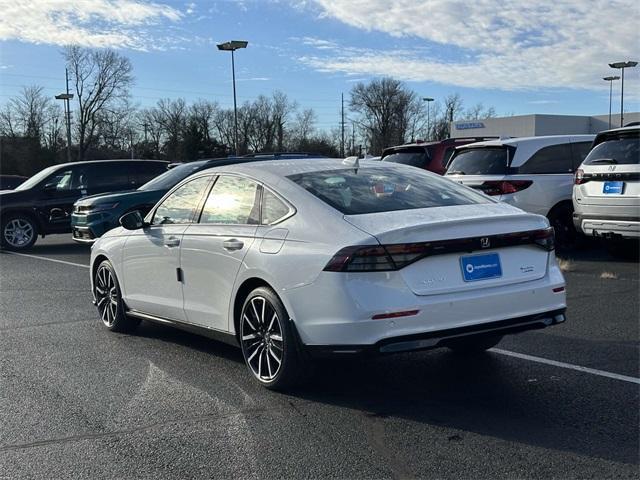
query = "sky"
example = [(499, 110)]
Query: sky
[(520, 57)]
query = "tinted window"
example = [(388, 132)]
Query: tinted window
[(480, 161), (580, 151), (145, 171), (60, 181), (447, 155), (413, 158), (180, 205), (551, 159), (380, 189), (273, 208), (621, 151), (104, 176), (233, 200), (170, 178)]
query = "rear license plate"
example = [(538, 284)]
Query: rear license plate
[(480, 267), (613, 188)]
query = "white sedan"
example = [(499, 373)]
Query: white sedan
[(294, 259)]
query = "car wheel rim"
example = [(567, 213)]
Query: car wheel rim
[(262, 342), (18, 232), (106, 296)]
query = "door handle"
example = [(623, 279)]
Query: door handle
[(172, 242), (232, 244)]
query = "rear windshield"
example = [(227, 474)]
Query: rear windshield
[(381, 189), (172, 177), (618, 151), (415, 157), (480, 161)]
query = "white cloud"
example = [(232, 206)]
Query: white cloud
[(92, 23), (508, 44)]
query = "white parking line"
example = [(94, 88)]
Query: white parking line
[(49, 259), (592, 371)]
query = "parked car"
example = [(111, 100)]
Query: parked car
[(606, 195), (9, 182), (532, 173), (42, 204), (94, 215), (432, 156), (329, 257)]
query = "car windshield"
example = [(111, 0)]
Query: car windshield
[(480, 161), (618, 151), (380, 189), (37, 178), (168, 179)]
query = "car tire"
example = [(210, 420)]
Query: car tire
[(268, 341), (109, 300), (19, 232), (474, 344), (561, 219)]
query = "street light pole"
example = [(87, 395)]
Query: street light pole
[(232, 46), (622, 66), (610, 80), (67, 110), (428, 100)]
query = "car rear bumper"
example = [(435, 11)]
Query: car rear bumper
[(430, 340), (341, 310), (606, 225)]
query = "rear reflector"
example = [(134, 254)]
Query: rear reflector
[(558, 289), (504, 187), (384, 258), (407, 313)]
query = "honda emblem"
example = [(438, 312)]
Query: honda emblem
[(485, 242)]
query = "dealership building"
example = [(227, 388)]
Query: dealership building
[(538, 124)]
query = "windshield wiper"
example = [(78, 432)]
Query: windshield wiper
[(604, 160), (456, 172)]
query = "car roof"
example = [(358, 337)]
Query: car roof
[(91, 162), (540, 140), (282, 168)]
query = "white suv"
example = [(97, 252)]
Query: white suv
[(606, 195), (531, 173)]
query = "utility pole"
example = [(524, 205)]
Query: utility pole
[(67, 110), (131, 141), (342, 126), (353, 138), (145, 125)]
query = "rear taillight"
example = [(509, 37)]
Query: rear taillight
[(384, 258), (504, 187), (579, 178), (545, 238)]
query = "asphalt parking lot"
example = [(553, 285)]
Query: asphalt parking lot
[(81, 402)]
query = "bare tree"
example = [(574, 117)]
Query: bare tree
[(100, 77), (173, 118), (386, 111), (30, 111)]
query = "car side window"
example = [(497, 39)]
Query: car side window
[(232, 201), (179, 207), (551, 159), (273, 209), (107, 176), (145, 171), (580, 151), (60, 181)]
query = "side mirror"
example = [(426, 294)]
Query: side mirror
[(50, 187), (132, 220)]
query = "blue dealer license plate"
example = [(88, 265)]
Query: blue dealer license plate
[(480, 267), (613, 188)]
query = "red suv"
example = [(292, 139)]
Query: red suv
[(432, 156)]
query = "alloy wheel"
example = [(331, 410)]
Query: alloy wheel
[(18, 232), (106, 295), (262, 341)]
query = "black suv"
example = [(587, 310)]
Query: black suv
[(43, 204)]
